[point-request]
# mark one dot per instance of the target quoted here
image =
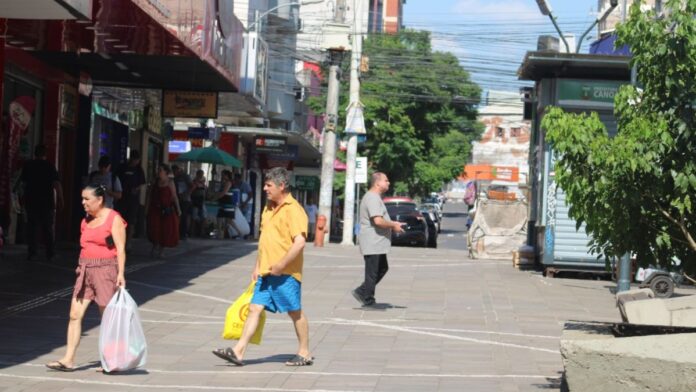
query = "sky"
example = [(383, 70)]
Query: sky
[(490, 37)]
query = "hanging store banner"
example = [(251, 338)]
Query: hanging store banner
[(191, 104), (355, 121), (590, 94), (361, 170)]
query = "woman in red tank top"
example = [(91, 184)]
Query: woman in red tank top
[(101, 267)]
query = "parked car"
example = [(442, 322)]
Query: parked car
[(403, 209), (432, 210), (434, 200)]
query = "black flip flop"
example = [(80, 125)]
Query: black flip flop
[(60, 367), (228, 355), (299, 360)]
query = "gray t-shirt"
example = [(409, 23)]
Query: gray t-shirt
[(183, 185), (373, 240)]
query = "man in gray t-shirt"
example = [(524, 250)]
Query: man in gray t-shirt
[(103, 176), (375, 237)]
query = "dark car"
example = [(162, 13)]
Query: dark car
[(404, 210)]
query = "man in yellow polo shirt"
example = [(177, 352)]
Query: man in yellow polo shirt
[(278, 271)]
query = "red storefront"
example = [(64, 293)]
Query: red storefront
[(50, 66)]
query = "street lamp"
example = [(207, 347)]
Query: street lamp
[(545, 9), (259, 17)]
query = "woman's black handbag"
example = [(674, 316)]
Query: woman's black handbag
[(165, 211)]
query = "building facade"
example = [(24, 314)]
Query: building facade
[(386, 16), (91, 83)]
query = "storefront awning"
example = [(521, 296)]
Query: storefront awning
[(139, 44), (541, 65), (308, 154)]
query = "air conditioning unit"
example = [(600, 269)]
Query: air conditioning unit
[(548, 43)]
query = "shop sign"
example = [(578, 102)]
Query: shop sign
[(307, 183), (290, 153), (269, 144), (588, 94), (361, 170), (179, 146), (254, 79), (192, 104), (68, 106)]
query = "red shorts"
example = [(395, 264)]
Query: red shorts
[(96, 280)]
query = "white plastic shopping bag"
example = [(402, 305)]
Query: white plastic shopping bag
[(122, 344), (241, 223)]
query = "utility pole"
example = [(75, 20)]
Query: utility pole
[(329, 143), (351, 153)]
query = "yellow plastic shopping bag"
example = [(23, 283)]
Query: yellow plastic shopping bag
[(237, 315)]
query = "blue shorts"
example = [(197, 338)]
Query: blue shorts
[(278, 294)]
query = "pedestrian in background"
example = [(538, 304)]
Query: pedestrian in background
[(184, 187), (278, 270), (229, 200), (311, 210), (42, 195), (375, 238), (246, 196), (199, 214), (101, 266), (103, 176), (132, 178), (162, 213)]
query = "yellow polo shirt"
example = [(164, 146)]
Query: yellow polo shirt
[(278, 228)]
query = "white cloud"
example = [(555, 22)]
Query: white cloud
[(499, 9)]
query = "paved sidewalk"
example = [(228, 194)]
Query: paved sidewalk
[(446, 323)]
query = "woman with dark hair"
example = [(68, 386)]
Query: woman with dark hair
[(162, 211), (229, 201), (101, 266)]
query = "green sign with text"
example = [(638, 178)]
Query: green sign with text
[(307, 183), (588, 93)]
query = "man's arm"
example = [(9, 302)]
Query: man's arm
[(383, 224), (117, 190), (298, 244)]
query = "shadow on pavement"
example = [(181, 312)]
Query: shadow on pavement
[(554, 383), (35, 296), (277, 358), (380, 307), (455, 214)]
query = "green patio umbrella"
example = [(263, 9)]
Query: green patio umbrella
[(210, 155)]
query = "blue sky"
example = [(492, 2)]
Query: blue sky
[(490, 37)]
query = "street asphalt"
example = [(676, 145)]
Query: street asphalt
[(443, 322)]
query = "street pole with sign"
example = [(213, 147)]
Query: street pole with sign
[(355, 125)]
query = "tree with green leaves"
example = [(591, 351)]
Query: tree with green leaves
[(635, 191), (419, 112)]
